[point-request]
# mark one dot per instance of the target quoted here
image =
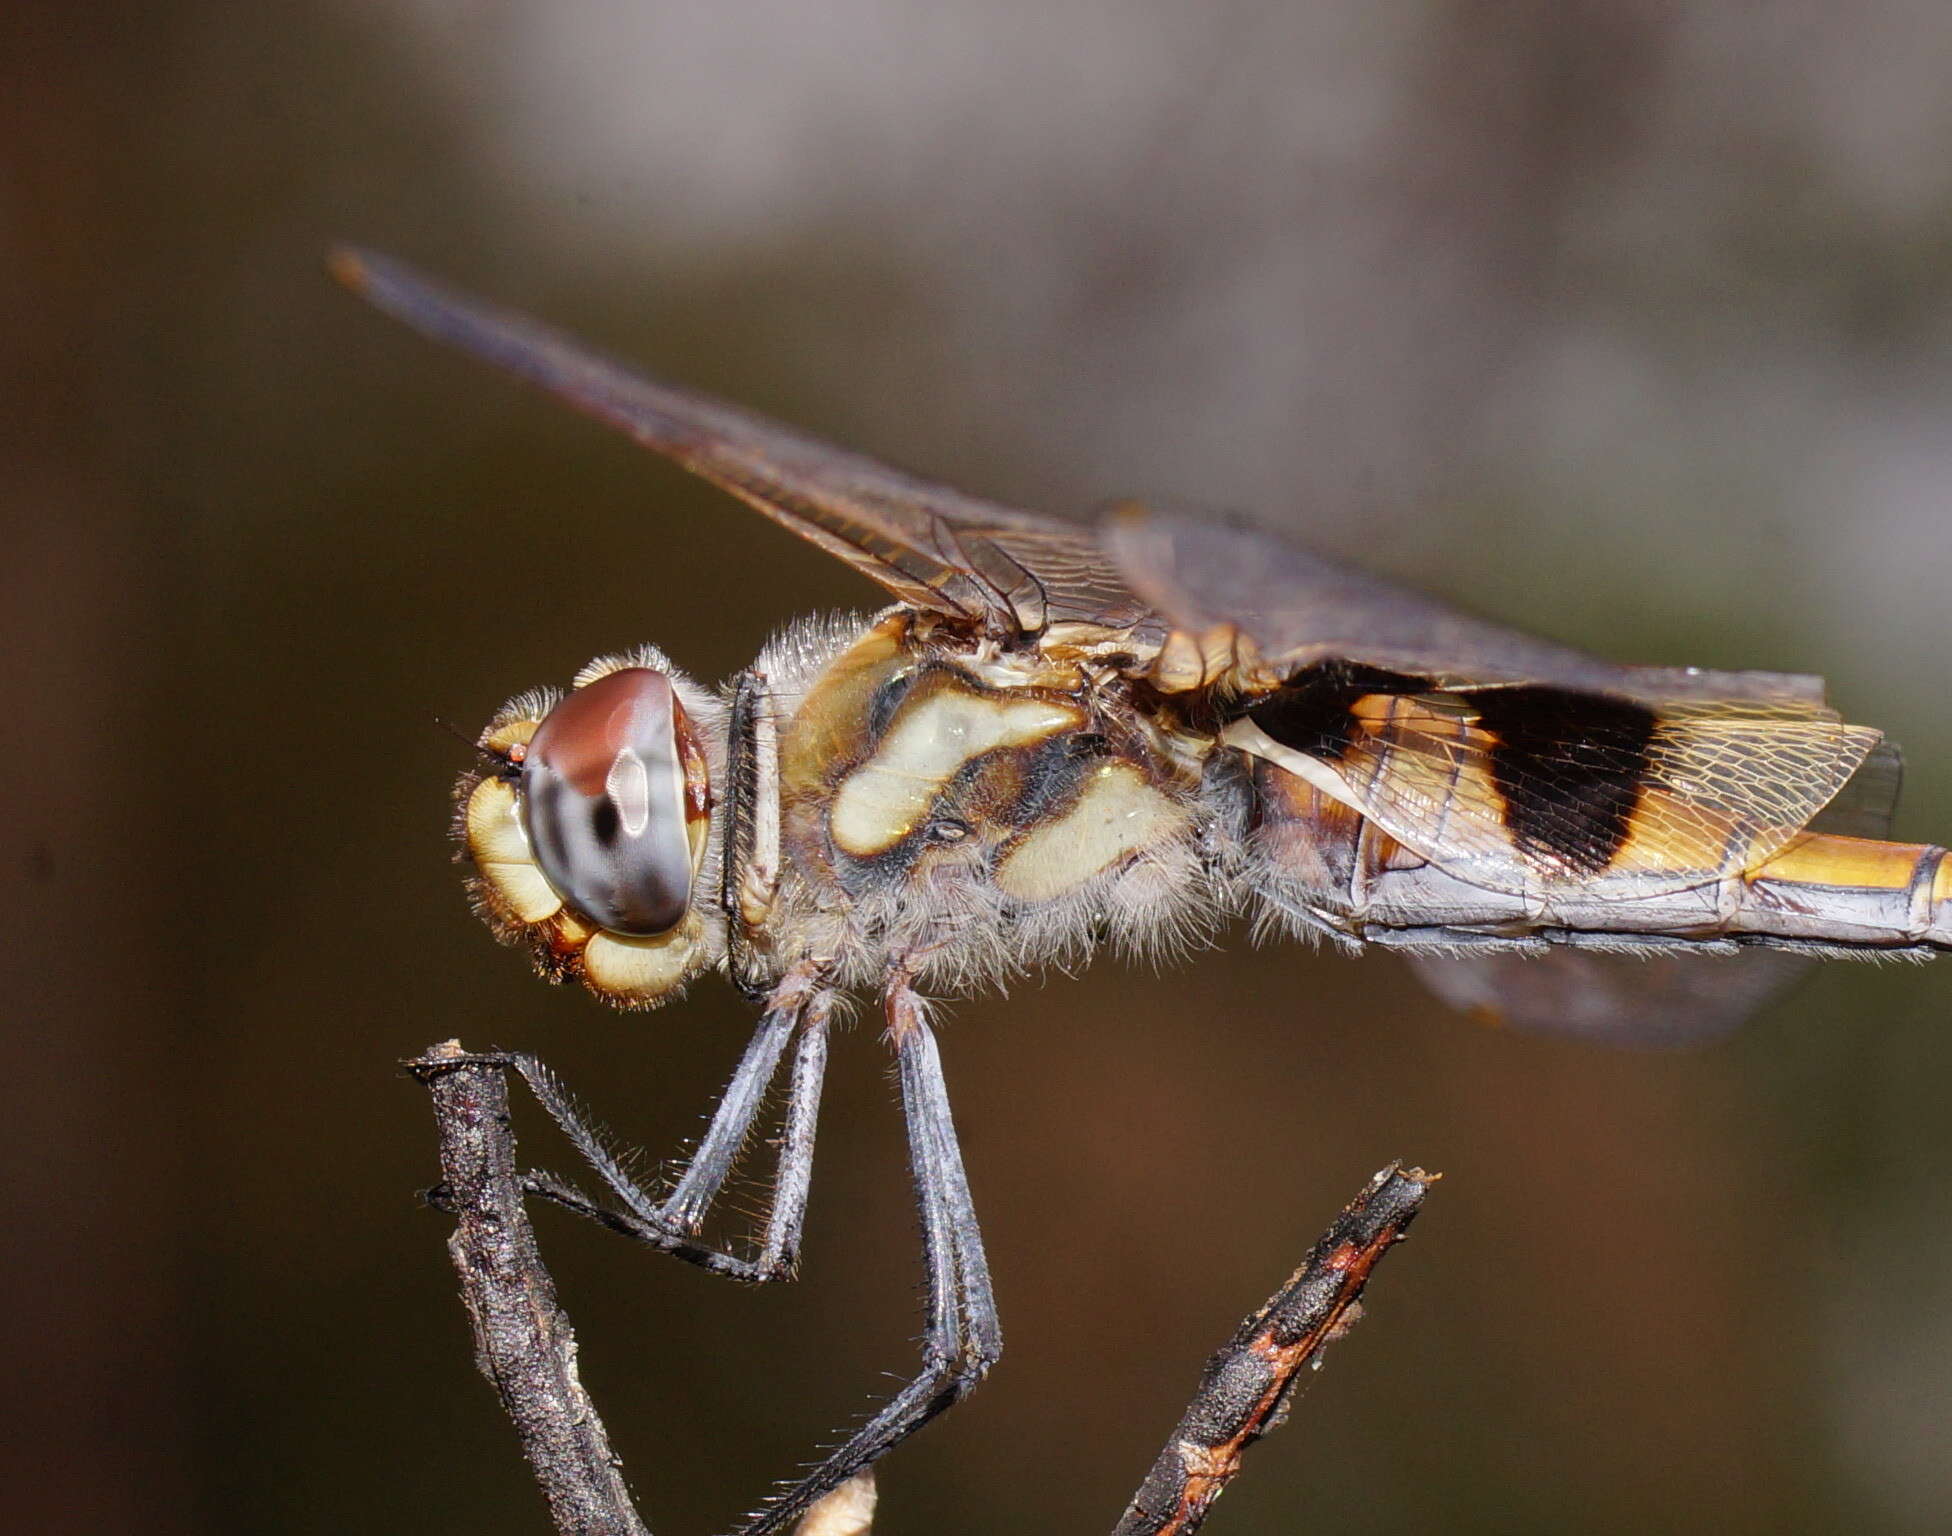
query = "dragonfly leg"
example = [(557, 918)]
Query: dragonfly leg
[(799, 1006), (962, 1337)]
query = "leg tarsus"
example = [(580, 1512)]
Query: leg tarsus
[(798, 1005)]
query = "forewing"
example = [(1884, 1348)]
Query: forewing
[(932, 547), (1301, 609)]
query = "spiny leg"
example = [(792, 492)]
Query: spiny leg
[(798, 1005), (962, 1338)]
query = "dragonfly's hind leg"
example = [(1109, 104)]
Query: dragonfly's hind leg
[(962, 1337), (800, 1006)]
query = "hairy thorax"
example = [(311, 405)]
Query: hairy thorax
[(963, 812)]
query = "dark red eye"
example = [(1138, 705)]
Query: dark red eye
[(603, 802)]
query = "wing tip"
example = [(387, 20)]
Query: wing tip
[(351, 266), (390, 285)]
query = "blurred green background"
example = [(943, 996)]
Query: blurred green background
[(1629, 321)]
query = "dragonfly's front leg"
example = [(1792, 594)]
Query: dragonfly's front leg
[(962, 1337), (799, 1006)]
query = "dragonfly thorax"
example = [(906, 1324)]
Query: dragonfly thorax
[(963, 813)]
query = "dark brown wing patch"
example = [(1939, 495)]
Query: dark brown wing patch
[(1535, 786), (1571, 768), (1568, 767), (1314, 711)]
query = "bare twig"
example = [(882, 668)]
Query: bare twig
[(524, 1345), (1249, 1385), (522, 1341)]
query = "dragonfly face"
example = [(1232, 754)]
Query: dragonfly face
[(593, 840), (1060, 737)]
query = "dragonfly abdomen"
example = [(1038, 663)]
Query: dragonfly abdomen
[(1851, 891), (1835, 895), (1320, 867)]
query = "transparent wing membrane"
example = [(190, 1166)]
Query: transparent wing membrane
[(1302, 609), (1698, 793), (929, 545), (1654, 1002)]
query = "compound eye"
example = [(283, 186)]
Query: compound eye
[(608, 780)]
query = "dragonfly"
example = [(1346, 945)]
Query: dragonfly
[(1061, 737)]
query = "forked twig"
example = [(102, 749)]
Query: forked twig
[(526, 1349)]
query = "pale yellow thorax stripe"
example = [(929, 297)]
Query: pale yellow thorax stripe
[(826, 728), (1116, 814), (889, 795)]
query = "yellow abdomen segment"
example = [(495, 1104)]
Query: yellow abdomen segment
[(1851, 890)]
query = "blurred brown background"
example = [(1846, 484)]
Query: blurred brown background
[(1631, 321)]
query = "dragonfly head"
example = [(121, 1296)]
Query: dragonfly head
[(591, 839)]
